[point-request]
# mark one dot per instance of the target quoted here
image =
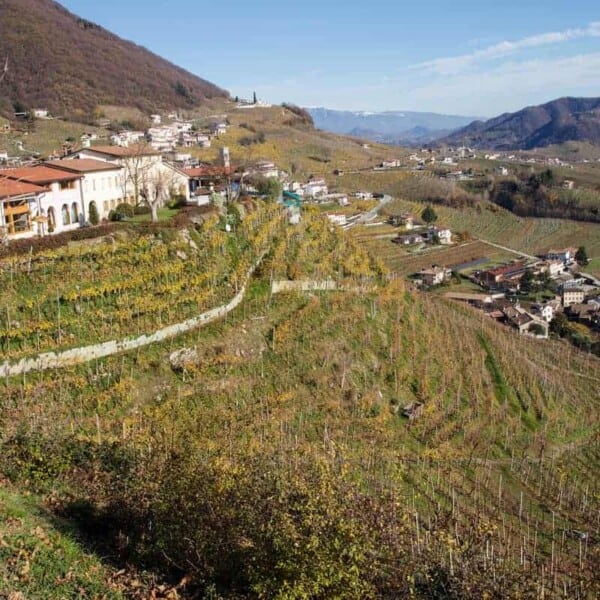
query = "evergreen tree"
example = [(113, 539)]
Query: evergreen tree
[(93, 214), (581, 256), (429, 215)]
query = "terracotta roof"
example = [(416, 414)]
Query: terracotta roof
[(10, 188), (83, 165), (124, 152), (206, 171), (39, 174)]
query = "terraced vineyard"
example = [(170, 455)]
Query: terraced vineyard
[(127, 286)]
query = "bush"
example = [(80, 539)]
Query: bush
[(94, 216), (141, 209), (177, 201), (121, 212)]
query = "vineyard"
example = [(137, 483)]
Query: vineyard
[(127, 285), (275, 461)]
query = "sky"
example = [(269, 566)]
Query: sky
[(467, 57)]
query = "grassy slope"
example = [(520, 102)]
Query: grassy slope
[(40, 558)]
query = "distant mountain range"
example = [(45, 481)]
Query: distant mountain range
[(392, 127), (59, 61), (556, 122)]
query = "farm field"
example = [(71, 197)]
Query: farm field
[(529, 235), (403, 260)]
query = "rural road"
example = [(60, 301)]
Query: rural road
[(518, 252), (369, 216)]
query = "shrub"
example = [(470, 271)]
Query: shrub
[(94, 216), (141, 209), (121, 212)]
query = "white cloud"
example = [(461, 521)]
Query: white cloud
[(456, 64), (510, 86)]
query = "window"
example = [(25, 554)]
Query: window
[(51, 220), (66, 220), (94, 185), (105, 206), (74, 213), (67, 185), (17, 216)]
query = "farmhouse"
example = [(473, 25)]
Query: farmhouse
[(565, 255), (403, 220), (409, 239), (435, 276), (205, 181), (504, 274)]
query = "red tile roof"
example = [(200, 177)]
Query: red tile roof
[(39, 174), (206, 171), (83, 165), (125, 152), (10, 188)]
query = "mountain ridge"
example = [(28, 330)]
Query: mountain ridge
[(392, 126), (562, 120), (68, 64)]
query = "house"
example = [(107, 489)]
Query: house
[(524, 322), (40, 113), (264, 168), (584, 313), (510, 273), (552, 267), (102, 184), (546, 310), (341, 199), (204, 181), (568, 184), (363, 195), (218, 129), (155, 119), (572, 296), (126, 138), (391, 164), (144, 170), (339, 220), (405, 220), (435, 276), (566, 255), (409, 239), (20, 205), (316, 188), (61, 205), (503, 171), (442, 235)]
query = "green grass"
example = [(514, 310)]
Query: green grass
[(41, 558), (164, 214)]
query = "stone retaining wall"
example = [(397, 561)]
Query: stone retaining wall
[(76, 356)]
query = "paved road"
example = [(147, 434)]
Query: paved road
[(369, 216), (518, 252)]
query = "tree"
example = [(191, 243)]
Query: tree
[(429, 215), (93, 214), (581, 256), (156, 188), (269, 187), (254, 98), (527, 281)]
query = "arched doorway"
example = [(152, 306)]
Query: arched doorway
[(74, 213)]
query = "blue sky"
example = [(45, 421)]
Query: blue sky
[(476, 58)]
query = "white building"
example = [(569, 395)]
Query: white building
[(101, 183), (143, 170), (126, 138), (156, 119), (339, 220), (20, 208), (316, 188), (60, 208)]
